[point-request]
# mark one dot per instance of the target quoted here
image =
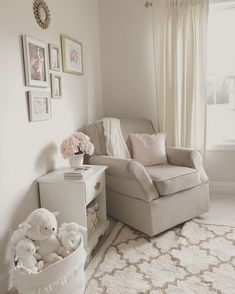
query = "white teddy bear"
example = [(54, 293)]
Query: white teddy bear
[(70, 237), (26, 256)]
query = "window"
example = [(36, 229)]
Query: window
[(221, 76)]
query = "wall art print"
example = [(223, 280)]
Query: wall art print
[(56, 86), (35, 62), (39, 106), (54, 54), (72, 55)]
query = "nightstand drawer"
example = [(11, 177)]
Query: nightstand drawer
[(94, 186)]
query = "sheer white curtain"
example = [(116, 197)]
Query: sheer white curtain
[(180, 31)]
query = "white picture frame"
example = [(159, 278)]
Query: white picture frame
[(72, 55), (56, 86), (39, 106), (54, 57), (35, 62)]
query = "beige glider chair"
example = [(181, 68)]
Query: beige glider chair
[(155, 198)]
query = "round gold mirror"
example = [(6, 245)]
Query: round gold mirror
[(41, 13)]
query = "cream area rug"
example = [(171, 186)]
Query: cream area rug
[(195, 258)]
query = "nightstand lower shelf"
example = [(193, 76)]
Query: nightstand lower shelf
[(93, 239)]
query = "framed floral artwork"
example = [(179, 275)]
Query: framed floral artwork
[(56, 86), (72, 55), (39, 106), (54, 57), (35, 62)]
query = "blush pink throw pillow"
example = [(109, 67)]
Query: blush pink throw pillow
[(149, 149)]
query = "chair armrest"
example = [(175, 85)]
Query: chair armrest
[(128, 169), (139, 173), (117, 167), (187, 157)]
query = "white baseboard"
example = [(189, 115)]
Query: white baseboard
[(222, 188), (5, 281)]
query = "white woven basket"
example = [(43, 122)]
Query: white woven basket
[(64, 277)]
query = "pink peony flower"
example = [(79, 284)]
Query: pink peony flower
[(75, 144)]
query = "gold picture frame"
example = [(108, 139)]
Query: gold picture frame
[(72, 55), (56, 86)]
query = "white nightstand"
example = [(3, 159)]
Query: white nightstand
[(70, 198)]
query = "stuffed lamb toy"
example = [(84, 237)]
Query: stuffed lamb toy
[(40, 226), (70, 237), (43, 224), (48, 249), (43, 230), (17, 236), (26, 256)]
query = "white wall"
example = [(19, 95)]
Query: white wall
[(127, 59), (220, 168), (128, 79), (29, 150)]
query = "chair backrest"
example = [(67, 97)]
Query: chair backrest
[(128, 126)]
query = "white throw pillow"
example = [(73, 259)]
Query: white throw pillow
[(149, 149)]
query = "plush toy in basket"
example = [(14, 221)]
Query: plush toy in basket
[(92, 216), (70, 237), (47, 259), (26, 256)]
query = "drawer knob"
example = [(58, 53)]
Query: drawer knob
[(97, 185)]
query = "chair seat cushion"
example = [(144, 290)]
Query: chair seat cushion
[(169, 179)]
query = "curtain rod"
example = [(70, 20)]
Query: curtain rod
[(149, 3)]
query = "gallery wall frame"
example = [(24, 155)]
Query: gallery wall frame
[(54, 57), (39, 106), (56, 86), (35, 62), (72, 55)]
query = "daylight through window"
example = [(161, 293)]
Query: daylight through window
[(221, 77)]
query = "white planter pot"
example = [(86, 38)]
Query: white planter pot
[(76, 160)]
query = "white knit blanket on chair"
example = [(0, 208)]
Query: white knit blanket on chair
[(115, 144)]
